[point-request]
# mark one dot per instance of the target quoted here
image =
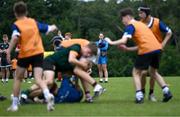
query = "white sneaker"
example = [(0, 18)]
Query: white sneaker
[(106, 80), (101, 80), (152, 98), (97, 87), (98, 90), (12, 108), (50, 103)]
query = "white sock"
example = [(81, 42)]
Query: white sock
[(97, 87), (139, 95), (15, 101), (3, 79), (46, 93), (100, 79), (7, 79), (165, 90), (106, 79)]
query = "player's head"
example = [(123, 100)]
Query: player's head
[(126, 15), (89, 50), (56, 41), (5, 37), (20, 9), (144, 11), (68, 35), (101, 36)]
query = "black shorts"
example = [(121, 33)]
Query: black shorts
[(35, 61), (151, 59), (47, 65), (4, 63)]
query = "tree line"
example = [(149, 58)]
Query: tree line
[(88, 19)]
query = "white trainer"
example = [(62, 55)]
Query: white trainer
[(152, 98), (50, 103), (12, 108), (98, 90)]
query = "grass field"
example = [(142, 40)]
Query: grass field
[(117, 101)]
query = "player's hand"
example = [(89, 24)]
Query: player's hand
[(107, 39), (122, 47)]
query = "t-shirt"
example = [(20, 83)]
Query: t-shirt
[(60, 58), (4, 46)]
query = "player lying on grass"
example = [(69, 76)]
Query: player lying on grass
[(66, 86), (149, 51), (69, 91)]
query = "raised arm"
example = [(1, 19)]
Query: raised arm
[(45, 28)]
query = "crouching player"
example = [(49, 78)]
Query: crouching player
[(67, 60)]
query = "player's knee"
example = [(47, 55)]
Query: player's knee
[(135, 72), (50, 82), (144, 73), (153, 73)]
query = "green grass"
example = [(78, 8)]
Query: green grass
[(117, 101)]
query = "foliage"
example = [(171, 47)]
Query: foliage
[(87, 19)]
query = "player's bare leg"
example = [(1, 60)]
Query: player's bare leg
[(137, 74), (100, 73), (16, 88), (98, 89), (86, 87), (49, 76), (167, 94), (143, 83), (151, 90), (105, 71)]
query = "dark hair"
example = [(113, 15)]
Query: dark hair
[(20, 8), (5, 35), (126, 11), (145, 9), (93, 47)]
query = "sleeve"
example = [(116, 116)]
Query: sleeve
[(129, 31), (75, 49), (43, 28), (15, 31), (163, 27)]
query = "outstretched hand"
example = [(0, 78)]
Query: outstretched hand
[(122, 47), (107, 39)]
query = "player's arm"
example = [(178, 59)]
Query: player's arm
[(123, 40), (13, 42), (129, 31), (125, 48), (166, 30), (73, 60), (45, 28)]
